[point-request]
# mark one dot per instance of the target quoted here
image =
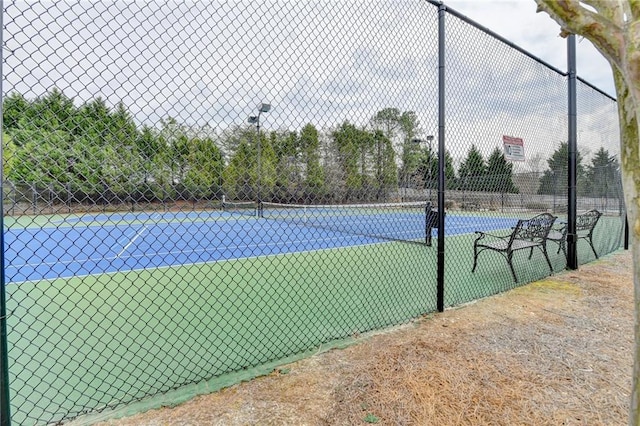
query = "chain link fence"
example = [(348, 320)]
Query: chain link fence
[(195, 189)]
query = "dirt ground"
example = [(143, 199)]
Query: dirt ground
[(555, 352)]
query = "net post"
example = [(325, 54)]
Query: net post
[(428, 223)]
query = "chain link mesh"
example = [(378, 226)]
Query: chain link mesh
[(192, 189)]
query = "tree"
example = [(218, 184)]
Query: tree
[(613, 29), (150, 148), (554, 179), (286, 146), (386, 176), (237, 176), (203, 179), (401, 129), (8, 155), (450, 170), (93, 121), (122, 129), (267, 171), (500, 173), (388, 121), (15, 108), (472, 171), (347, 139), (314, 174), (603, 176)]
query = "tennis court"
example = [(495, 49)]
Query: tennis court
[(97, 244), (174, 297), (220, 299), (144, 303)]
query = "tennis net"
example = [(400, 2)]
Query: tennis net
[(242, 208), (388, 221)]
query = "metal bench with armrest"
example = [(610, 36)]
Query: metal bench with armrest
[(585, 224), (527, 234)]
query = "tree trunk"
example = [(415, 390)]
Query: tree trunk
[(614, 28), (629, 117)]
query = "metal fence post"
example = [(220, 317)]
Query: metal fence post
[(441, 154), (5, 411), (572, 255), (626, 232)]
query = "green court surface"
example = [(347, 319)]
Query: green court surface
[(99, 342)]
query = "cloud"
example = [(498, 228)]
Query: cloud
[(318, 62), (518, 22)]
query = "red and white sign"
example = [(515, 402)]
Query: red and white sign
[(513, 148)]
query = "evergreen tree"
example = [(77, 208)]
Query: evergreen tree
[(15, 111), (314, 174), (555, 178), (347, 140), (8, 156), (288, 168), (203, 179), (237, 176), (266, 171), (428, 170), (603, 175), (473, 171), (93, 121), (499, 174)]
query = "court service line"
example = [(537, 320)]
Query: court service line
[(200, 262), (135, 237), (189, 252)]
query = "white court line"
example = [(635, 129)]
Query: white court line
[(204, 250), (136, 236), (202, 262)]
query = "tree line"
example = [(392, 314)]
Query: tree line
[(95, 154)]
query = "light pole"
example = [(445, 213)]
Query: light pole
[(256, 119), (429, 141)]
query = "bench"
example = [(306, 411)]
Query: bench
[(585, 224), (527, 234)]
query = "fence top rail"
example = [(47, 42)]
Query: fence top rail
[(602, 92), (513, 45), (496, 36)]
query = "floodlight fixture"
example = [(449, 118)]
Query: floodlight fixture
[(264, 107), (252, 119)]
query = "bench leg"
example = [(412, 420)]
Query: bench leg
[(546, 256), (592, 247), (475, 258), (513, 272)]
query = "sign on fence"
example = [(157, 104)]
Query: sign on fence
[(513, 148)]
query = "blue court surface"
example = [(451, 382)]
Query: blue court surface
[(104, 243)]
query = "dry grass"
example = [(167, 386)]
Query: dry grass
[(556, 352)]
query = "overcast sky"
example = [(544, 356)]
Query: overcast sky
[(517, 21), (209, 63)]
